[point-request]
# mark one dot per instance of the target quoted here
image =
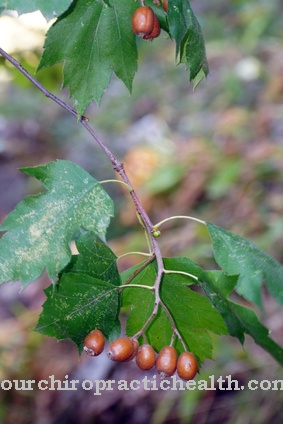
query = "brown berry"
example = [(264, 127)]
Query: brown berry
[(136, 346), (165, 5), (120, 349), (166, 361), (146, 357), (94, 343), (187, 366), (142, 21), (155, 31)]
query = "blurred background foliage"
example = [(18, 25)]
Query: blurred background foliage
[(216, 154)]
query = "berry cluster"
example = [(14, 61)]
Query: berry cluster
[(124, 349)]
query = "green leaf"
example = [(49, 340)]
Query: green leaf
[(217, 287), (236, 255), (199, 77), (140, 300), (86, 296), (193, 314), (93, 39), (78, 304), (190, 49), (40, 228), (159, 11), (49, 8), (239, 319), (95, 259)]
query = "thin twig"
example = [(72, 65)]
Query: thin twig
[(174, 328), (119, 168)]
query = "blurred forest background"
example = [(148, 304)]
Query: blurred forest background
[(216, 154)]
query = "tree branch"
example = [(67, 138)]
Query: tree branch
[(119, 168)]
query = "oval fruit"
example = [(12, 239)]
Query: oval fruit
[(146, 357), (94, 343), (187, 366), (166, 362), (120, 349), (155, 31), (142, 21), (136, 346)]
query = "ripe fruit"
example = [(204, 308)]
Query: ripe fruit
[(187, 366), (166, 361), (165, 5), (142, 21), (94, 343), (146, 357), (136, 346), (155, 31), (120, 349)]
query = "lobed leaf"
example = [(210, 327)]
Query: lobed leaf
[(40, 228), (85, 297), (239, 319), (93, 39), (236, 255), (185, 306), (78, 304), (194, 316)]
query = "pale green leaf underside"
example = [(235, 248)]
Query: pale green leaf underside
[(40, 228), (49, 8), (238, 256)]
